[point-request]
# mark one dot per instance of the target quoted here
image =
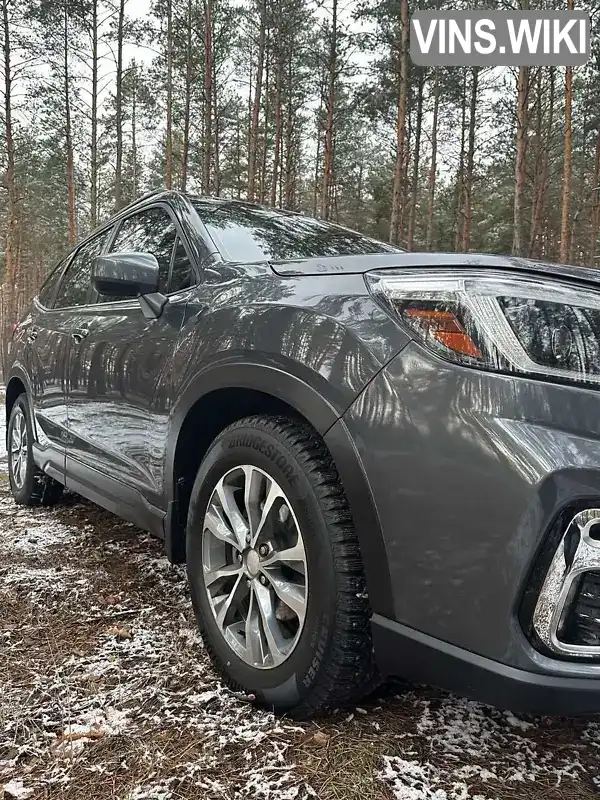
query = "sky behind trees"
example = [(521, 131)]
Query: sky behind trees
[(312, 105)]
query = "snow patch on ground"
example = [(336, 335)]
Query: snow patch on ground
[(108, 682), (498, 746), (43, 583), (410, 780), (28, 535), (16, 791), (142, 675)]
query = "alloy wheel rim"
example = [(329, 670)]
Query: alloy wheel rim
[(254, 567), (18, 449)]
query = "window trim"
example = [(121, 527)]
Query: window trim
[(65, 262), (61, 268), (74, 254), (179, 234), (113, 225), (179, 238)]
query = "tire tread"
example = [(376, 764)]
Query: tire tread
[(348, 670)]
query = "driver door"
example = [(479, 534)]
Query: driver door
[(120, 374)]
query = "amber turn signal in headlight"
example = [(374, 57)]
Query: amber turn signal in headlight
[(496, 321), (446, 328)]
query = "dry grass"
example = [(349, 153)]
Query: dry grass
[(86, 713)]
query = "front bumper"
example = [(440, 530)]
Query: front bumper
[(422, 659), (469, 470)]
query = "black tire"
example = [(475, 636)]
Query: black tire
[(37, 488), (332, 663)]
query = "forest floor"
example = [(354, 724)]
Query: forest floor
[(106, 692)]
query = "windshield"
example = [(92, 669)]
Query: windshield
[(246, 233)]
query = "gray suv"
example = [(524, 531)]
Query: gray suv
[(373, 462)]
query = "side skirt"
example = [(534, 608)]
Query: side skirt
[(124, 501)]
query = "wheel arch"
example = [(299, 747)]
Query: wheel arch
[(230, 392), (17, 384), (211, 387)]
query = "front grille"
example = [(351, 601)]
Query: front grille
[(582, 620)]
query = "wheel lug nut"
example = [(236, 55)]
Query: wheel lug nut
[(239, 557), (263, 580), (248, 538), (263, 550)]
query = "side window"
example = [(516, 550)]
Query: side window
[(46, 293), (182, 273), (149, 231), (75, 285)]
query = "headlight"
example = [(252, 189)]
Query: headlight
[(532, 326)]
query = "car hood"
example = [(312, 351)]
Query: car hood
[(349, 265)]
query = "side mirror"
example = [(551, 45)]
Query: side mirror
[(125, 274)]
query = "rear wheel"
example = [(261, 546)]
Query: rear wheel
[(29, 485), (275, 570)]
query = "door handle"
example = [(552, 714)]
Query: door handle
[(32, 335), (79, 334)]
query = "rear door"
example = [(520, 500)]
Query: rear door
[(120, 373), (46, 332)]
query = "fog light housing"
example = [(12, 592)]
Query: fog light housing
[(566, 618)]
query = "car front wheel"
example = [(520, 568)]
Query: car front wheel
[(275, 571)]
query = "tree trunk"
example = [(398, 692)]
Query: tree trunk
[(397, 191), (574, 255), (331, 86), (567, 167), (538, 160), (289, 136), (568, 161), (216, 136), (468, 181), (189, 72), (262, 176), (20, 287), (318, 153), (521, 159), (412, 218), (94, 143), (595, 205), (460, 175), (316, 182), (238, 159), (359, 194), (71, 212), (536, 242), (134, 155), (208, 95), (433, 165), (278, 118), (119, 109), (169, 135), (253, 142), (10, 276)]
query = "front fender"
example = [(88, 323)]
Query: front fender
[(316, 354), (326, 332)]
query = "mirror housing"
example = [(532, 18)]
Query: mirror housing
[(125, 274)]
